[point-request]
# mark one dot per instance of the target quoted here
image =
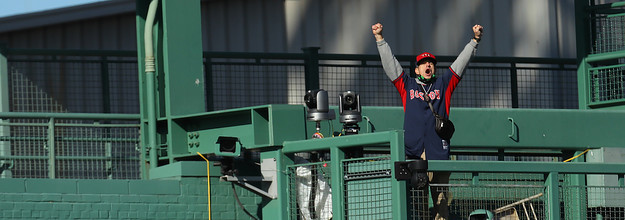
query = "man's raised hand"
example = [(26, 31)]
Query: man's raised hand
[(377, 31)]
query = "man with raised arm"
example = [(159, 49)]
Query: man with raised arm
[(420, 137)]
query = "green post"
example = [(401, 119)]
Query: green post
[(278, 208), (174, 43), (574, 192), (582, 36), (514, 87), (398, 188), (104, 77), (5, 146), (146, 92), (553, 197), (475, 178), (311, 67), (51, 150), (337, 182)]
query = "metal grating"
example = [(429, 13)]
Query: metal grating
[(609, 34), (310, 195), (367, 184), (370, 82), (70, 149), (538, 86), (607, 83), (74, 85), (503, 201), (599, 202), (244, 85)]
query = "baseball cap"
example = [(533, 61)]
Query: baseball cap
[(426, 56)]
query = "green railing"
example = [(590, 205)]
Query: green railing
[(107, 81), (283, 78), (69, 145), (366, 188), (601, 40)]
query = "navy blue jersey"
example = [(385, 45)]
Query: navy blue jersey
[(419, 120)]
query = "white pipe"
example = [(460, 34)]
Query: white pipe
[(147, 36), (149, 75)]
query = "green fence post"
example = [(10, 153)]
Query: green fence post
[(553, 196), (574, 192), (108, 148), (475, 178), (514, 87), (398, 188), (337, 182), (5, 146), (104, 77), (582, 38), (311, 67), (51, 150)]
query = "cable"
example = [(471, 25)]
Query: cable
[(572, 158), (239, 202), (208, 182)]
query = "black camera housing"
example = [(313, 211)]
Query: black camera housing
[(414, 171), (318, 107), (349, 108)]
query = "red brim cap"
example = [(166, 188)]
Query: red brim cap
[(426, 55)]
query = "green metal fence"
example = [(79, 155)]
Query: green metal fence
[(107, 81), (242, 80), (601, 40), (72, 81), (69, 146), (508, 190)]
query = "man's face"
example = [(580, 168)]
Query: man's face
[(426, 69)]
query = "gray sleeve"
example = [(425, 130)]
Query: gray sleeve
[(463, 59), (391, 66)]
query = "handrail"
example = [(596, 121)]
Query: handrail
[(39, 115), (287, 56)]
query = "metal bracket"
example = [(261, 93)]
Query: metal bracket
[(269, 174)]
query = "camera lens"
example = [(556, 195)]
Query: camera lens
[(349, 99), (310, 99)]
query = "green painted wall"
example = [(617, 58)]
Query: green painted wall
[(185, 198)]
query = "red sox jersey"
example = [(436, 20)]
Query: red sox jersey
[(419, 120)]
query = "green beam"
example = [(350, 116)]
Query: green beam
[(525, 167), (537, 128), (605, 56)]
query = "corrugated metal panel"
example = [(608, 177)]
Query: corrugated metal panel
[(530, 28)]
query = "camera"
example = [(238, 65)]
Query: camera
[(318, 107), (414, 171), (349, 109)]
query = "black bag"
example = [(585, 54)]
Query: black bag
[(444, 127)]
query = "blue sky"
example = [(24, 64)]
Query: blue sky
[(16, 7)]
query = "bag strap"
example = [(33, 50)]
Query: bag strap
[(427, 99)]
